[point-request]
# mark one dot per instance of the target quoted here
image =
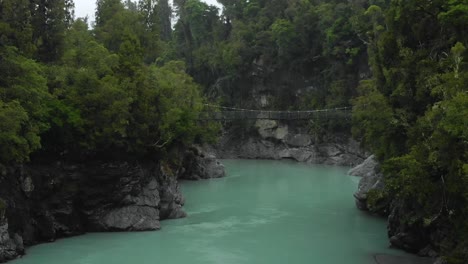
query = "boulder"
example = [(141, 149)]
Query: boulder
[(301, 155), (130, 218), (371, 180), (213, 168), (368, 166), (200, 165), (281, 132), (139, 211), (266, 128), (256, 149), (298, 140), (271, 129), (10, 248), (144, 195)]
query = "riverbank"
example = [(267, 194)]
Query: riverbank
[(44, 202), (264, 211), (389, 259), (369, 199)]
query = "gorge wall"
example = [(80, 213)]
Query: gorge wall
[(270, 139), (43, 202), (412, 236)]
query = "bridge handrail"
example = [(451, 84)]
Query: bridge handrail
[(279, 111)]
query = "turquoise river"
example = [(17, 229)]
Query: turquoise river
[(263, 212)]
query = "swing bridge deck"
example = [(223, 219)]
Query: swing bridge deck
[(219, 113)]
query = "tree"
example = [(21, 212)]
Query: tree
[(15, 26), (50, 20), (418, 130), (23, 110), (167, 109), (163, 12)]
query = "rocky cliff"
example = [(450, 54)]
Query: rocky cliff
[(43, 202), (405, 231), (271, 139)]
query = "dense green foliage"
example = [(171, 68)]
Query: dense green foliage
[(300, 54), (286, 55), (414, 114), (69, 90), (104, 89)]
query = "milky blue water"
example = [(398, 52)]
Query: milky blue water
[(273, 212)]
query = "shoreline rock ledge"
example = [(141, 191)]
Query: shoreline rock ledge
[(278, 140), (389, 259), (43, 202), (371, 179)]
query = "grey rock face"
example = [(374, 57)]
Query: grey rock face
[(281, 132), (149, 196), (53, 201), (27, 185), (135, 197), (10, 246), (172, 200), (368, 166), (141, 212), (301, 155), (277, 141), (266, 127), (440, 261), (389, 259), (412, 236), (425, 240), (371, 180), (213, 167), (131, 218), (200, 165), (298, 140), (271, 129)]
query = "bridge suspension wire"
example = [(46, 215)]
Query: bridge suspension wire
[(233, 113), (280, 111)]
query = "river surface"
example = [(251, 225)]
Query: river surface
[(263, 212)]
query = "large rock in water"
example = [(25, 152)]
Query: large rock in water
[(200, 165), (10, 247), (133, 197), (372, 179), (363, 169), (131, 218)]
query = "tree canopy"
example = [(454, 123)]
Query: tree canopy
[(69, 90)]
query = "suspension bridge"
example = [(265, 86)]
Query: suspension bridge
[(220, 113)]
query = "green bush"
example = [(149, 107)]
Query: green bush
[(377, 201)]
